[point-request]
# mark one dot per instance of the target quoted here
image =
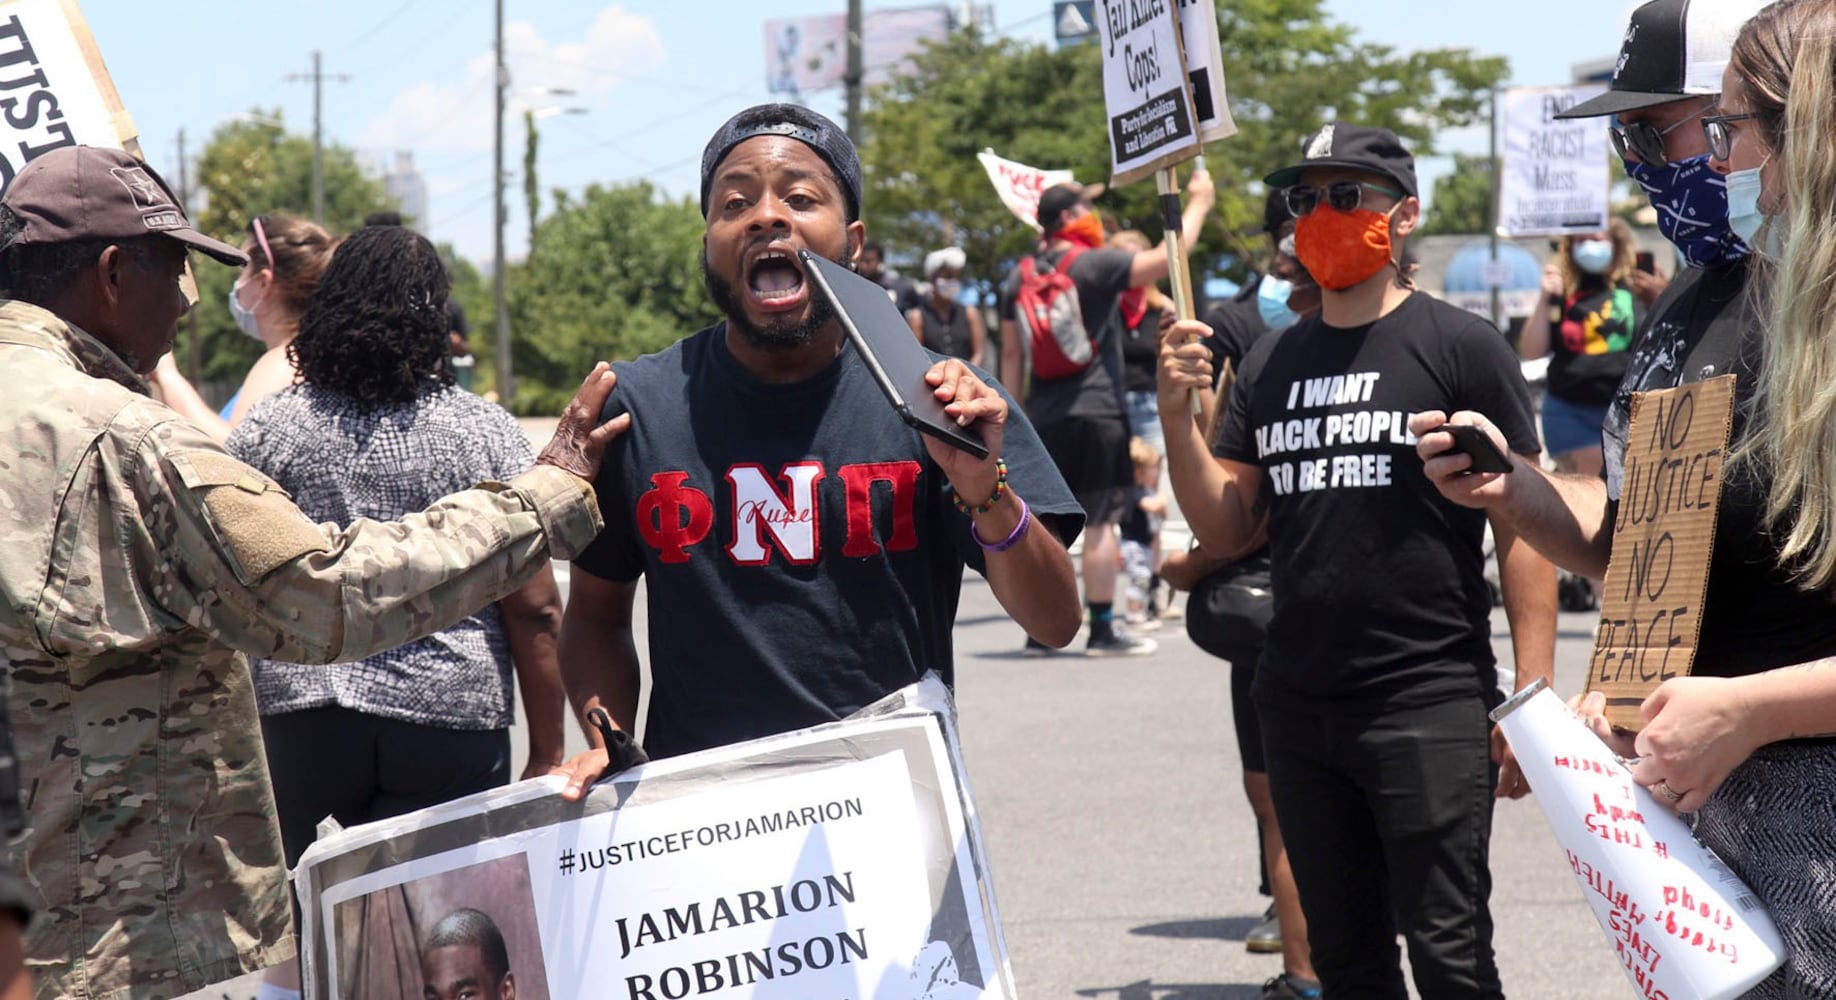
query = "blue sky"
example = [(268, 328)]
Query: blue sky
[(656, 77)]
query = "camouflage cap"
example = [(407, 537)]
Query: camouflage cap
[(93, 193)]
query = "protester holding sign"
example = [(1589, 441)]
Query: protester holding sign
[(1378, 668), (801, 547), (142, 568), (1059, 318)]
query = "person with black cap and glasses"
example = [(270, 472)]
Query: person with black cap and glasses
[(140, 564), (801, 547), (1379, 668)]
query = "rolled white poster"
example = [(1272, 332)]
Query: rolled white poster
[(1683, 925)]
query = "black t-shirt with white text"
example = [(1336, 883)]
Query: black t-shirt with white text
[(799, 548), (1380, 594), (1754, 618)]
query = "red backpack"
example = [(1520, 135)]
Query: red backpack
[(1048, 307)]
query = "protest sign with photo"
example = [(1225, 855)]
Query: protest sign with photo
[(53, 85), (1145, 88), (840, 861), (1553, 175), (1651, 611), (1198, 32), (1019, 186), (1682, 925)]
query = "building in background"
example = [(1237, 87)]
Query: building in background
[(405, 184)]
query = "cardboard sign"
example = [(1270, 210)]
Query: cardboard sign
[(839, 861), (1149, 99), (1198, 32), (1662, 540), (1682, 925), (1553, 177), (55, 88), (1019, 186)]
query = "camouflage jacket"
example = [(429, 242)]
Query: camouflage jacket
[(139, 563)]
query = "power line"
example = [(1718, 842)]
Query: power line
[(380, 25)]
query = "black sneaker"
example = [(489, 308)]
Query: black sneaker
[(1265, 937), (1286, 987), (1114, 641), (1034, 648)]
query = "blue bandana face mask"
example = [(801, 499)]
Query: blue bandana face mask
[(1272, 302), (1692, 209)]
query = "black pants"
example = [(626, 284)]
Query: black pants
[(358, 767), (1387, 822)]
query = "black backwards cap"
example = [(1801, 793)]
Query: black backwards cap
[(794, 122)]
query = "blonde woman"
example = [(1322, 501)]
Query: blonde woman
[(1748, 742)]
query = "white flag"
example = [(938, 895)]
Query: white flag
[(1020, 185)]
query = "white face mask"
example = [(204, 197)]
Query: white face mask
[(1593, 256), (1744, 215), (948, 288), (243, 315)]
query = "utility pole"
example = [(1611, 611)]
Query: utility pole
[(851, 77), (500, 348), (195, 350), (1491, 222), (317, 78)]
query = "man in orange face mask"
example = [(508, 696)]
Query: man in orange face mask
[(1380, 671), (1074, 399)]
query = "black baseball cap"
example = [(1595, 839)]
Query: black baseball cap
[(795, 122), (95, 193), (1673, 49), (1058, 199), (1359, 147)]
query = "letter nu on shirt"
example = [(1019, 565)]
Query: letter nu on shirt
[(790, 518)]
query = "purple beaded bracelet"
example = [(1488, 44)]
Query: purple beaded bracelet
[(1013, 538)]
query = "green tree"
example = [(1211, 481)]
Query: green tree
[(254, 167), (612, 274), (1289, 68), (1462, 199)]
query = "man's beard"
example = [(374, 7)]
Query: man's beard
[(783, 335)]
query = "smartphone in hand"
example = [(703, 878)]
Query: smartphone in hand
[(1473, 441), (1646, 262)]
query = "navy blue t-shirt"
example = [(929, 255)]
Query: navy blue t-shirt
[(769, 610), (1359, 538)]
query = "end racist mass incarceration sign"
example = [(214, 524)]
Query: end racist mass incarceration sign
[(1662, 542), (54, 89), (839, 862), (1554, 176), (1152, 123)]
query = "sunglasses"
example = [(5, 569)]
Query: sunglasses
[(1720, 136), (1645, 140), (1343, 196)]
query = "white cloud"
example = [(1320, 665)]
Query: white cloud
[(444, 116)]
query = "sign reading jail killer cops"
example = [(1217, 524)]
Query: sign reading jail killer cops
[(1145, 88), (1554, 177), (840, 861), (1662, 540), (54, 89)]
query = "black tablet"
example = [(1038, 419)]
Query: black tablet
[(885, 343)]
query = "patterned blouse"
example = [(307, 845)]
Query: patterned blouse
[(341, 464)]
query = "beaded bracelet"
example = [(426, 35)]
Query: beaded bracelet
[(1013, 537), (1000, 489)]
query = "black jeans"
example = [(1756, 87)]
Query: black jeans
[(1387, 821)]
